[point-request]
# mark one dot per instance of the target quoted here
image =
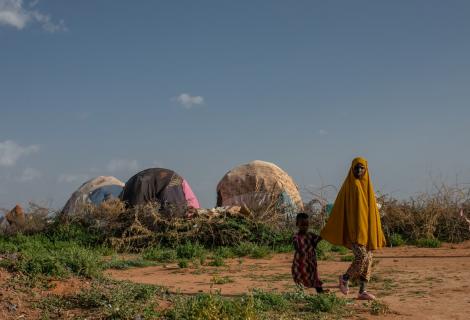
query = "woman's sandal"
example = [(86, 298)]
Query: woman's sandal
[(343, 285), (365, 296)]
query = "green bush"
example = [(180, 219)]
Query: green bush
[(159, 254), (339, 249), (183, 263), (37, 255), (59, 232), (396, 240), (428, 243), (217, 261), (348, 257), (250, 249), (323, 249), (190, 251), (224, 252)]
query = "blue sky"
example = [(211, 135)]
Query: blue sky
[(93, 88)]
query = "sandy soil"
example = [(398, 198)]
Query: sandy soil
[(416, 283)]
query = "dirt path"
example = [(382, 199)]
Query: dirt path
[(417, 283)]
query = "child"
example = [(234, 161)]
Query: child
[(304, 266)]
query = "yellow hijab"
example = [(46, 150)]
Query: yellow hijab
[(355, 217)]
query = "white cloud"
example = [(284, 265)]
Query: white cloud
[(13, 14), (30, 174), (10, 152), (188, 101), (72, 178), (122, 165), (322, 132)]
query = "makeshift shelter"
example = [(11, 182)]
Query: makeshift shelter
[(163, 186), (94, 191), (259, 186)]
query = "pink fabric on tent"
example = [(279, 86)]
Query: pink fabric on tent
[(189, 195)]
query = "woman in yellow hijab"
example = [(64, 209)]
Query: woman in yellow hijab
[(354, 222)]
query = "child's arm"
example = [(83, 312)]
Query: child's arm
[(295, 243), (316, 239)]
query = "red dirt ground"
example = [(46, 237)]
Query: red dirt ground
[(416, 283)]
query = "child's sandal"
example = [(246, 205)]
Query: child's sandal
[(365, 296), (343, 285)]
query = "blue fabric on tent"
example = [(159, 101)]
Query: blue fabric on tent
[(328, 208), (104, 193), (286, 204)]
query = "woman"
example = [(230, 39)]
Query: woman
[(354, 222)]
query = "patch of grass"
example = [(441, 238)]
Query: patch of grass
[(221, 280), (224, 252), (109, 300), (348, 257), (428, 243), (189, 251), (159, 254), (269, 300), (339, 249), (212, 307), (396, 240), (250, 249), (323, 250), (329, 303), (122, 264), (183, 263), (284, 248), (378, 308), (217, 261), (318, 304), (39, 256)]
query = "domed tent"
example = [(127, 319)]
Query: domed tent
[(164, 186), (259, 185), (94, 191)]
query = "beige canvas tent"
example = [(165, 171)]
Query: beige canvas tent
[(93, 191), (259, 185)]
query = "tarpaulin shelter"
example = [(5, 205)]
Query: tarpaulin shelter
[(94, 191), (163, 186), (259, 185)]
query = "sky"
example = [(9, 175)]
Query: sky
[(91, 88)]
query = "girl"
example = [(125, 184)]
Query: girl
[(355, 223), (304, 266)]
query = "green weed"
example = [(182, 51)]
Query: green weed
[(428, 243)]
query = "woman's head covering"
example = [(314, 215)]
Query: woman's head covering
[(355, 217)]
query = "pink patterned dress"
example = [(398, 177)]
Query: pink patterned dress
[(304, 266)]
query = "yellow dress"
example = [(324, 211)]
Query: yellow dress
[(355, 217)]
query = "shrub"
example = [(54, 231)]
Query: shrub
[(323, 249), (217, 261), (396, 240), (183, 263), (189, 251), (37, 255), (428, 243), (250, 249), (339, 249), (159, 254)]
